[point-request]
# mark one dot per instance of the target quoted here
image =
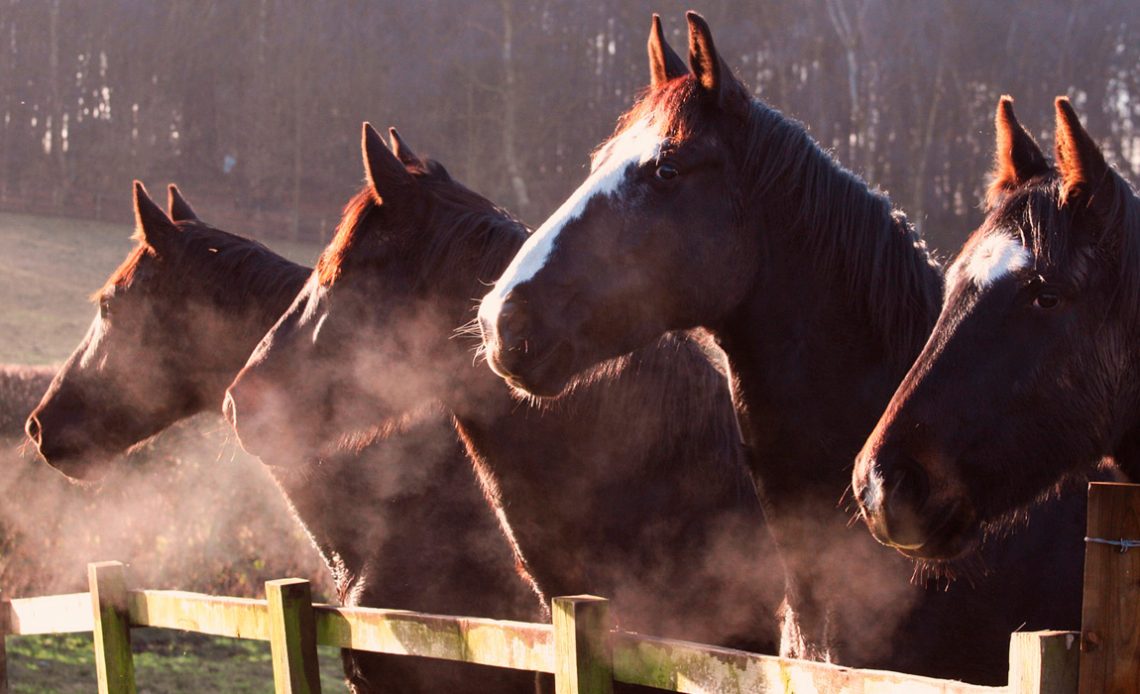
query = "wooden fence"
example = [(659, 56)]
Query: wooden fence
[(580, 648)]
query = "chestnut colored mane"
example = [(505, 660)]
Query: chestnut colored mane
[(467, 225), (218, 259)]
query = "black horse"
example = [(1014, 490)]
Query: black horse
[(398, 519), (633, 486), (1028, 378), (708, 209)]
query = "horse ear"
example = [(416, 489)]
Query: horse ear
[(1017, 158), (401, 149), (381, 167), (713, 75), (664, 63), (180, 210), (1084, 172), (151, 223)]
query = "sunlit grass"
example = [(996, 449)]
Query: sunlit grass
[(48, 268), (166, 662)]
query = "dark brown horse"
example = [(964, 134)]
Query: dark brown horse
[(1028, 378), (398, 519), (709, 209), (633, 486)]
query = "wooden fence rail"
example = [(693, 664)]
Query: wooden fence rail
[(582, 650)]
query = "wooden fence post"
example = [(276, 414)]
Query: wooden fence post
[(1110, 618), (1044, 662), (293, 637), (583, 652), (5, 612), (113, 662)]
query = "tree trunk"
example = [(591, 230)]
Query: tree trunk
[(510, 112), (918, 203), (55, 111)]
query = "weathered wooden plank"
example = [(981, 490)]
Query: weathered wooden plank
[(1110, 618), (292, 637), (667, 664), (52, 614), (114, 666), (516, 645), (239, 618), (583, 656), (680, 666), (1044, 662)]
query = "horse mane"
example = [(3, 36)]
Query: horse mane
[(1124, 208), (464, 226), (229, 266), (851, 231)]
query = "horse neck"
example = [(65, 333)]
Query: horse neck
[(624, 454), (343, 502), (811, 373), (842, 304)]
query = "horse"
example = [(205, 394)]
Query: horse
[(708, 210), (632, 487), (398, 518), (1028, 378)]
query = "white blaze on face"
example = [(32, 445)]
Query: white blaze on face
[(995, 257), (314, 291), (638, 144), (95, 335)]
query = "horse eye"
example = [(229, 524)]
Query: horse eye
[(666, 172), (1047, 299), (104, 309)]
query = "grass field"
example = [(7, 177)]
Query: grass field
[(165, 661), (48, 268)]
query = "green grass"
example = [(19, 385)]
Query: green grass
[(170, 662), (48, 268)]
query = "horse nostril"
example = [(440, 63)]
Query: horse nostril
[(911, 485), (897, 518), (34, 430)]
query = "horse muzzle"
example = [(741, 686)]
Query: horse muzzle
[(901, 511)]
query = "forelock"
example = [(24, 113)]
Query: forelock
[(1029, 228), (671, 109), (124, 274), (345, 237)]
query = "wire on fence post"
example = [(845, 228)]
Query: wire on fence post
[(293, 637), (113, 662), (583, 651)]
